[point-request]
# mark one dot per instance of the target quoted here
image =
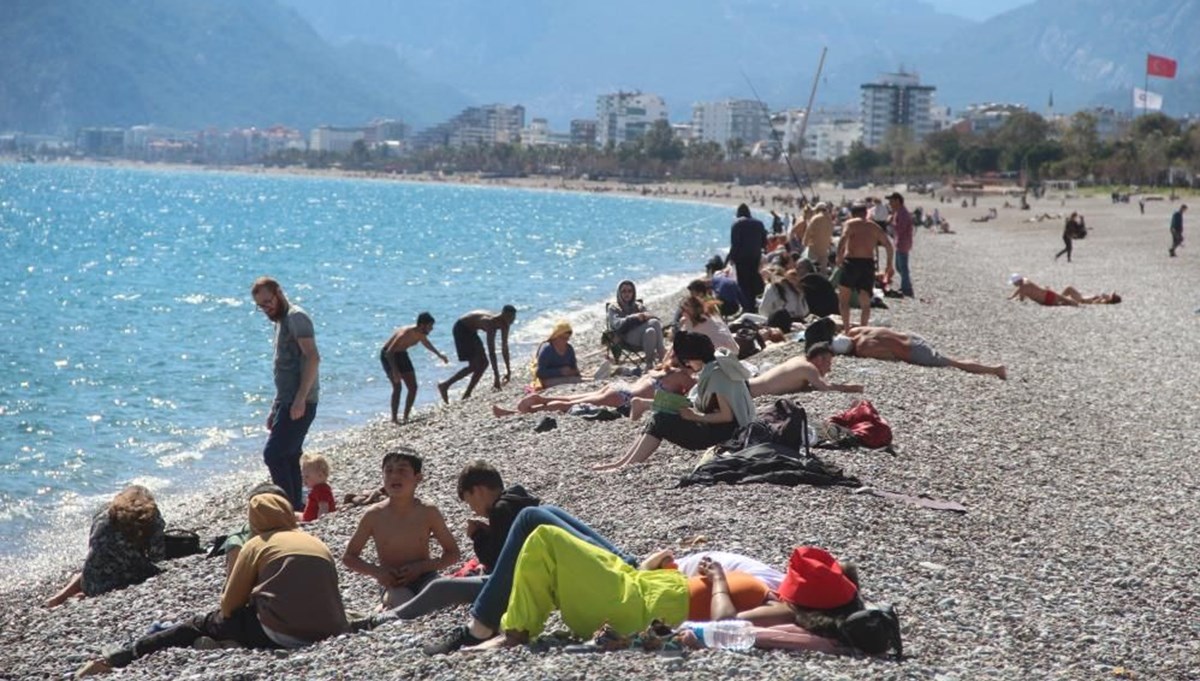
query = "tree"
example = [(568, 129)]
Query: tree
[(945, 146), (660, 143)]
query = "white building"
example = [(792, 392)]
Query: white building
[(732, 119), (332, 140), (897, 100), (980, 118), (626, 116), (828, 139)]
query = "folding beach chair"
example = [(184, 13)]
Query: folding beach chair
[(617, 349)]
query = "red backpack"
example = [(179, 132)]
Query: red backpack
[(863, 420)]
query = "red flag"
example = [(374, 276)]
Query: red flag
[(1160, 66)]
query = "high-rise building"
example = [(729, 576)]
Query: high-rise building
[(583, 132), (744, 120), (491, 124), (626, 116), (898, 100)]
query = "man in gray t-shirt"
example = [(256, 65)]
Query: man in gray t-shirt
[(296, 385)]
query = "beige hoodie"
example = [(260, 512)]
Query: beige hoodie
[(288, 575)]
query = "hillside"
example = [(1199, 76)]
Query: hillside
[(193, 64)]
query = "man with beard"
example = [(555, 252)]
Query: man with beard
[(296, 386)]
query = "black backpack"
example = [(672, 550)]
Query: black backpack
[(874, 630)]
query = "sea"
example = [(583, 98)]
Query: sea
[(131, 350)]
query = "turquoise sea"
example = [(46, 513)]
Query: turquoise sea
[(131, 350)]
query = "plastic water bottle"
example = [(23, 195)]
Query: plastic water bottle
[(735, 635)]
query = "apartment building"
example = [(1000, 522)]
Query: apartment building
[(626, 116), (896, 100)]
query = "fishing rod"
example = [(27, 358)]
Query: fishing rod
[(803, 124)]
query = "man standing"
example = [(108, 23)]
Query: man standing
[(747, 243), (1177, 228), (398, 365), (818, 238), (902, 227), (296, 386), (470, 348), (856, 258)]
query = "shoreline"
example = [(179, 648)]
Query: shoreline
[(1057, 528)]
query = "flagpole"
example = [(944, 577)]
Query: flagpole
[(1146, 89)]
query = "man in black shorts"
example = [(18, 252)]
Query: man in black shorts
[(470, 348), (856, 258), (399, 367)]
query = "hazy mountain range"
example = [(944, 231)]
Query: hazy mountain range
[(195, 63)]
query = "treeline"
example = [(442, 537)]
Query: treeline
[(1153, 150)]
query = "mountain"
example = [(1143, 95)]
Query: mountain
[(556, 57), (1085, 51), (191, 64)]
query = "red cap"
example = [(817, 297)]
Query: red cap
[(815, 580)]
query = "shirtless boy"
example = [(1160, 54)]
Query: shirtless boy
[(800, 374), (399, 367), (876, 342), (470, 348), (401, 527), (856, 257)]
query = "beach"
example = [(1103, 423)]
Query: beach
[(1076, 558)]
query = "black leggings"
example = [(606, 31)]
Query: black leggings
[(688, 434), (1067, 250), (243, 626)]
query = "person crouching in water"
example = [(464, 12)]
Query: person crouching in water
[(282, 593)]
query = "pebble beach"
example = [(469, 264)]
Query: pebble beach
[(1076, 558)]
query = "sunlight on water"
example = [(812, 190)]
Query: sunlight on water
[(132, 350)]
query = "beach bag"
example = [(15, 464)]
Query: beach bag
[(178, 542), (748, 341), (863, 420), (874, 630), (819, 295)]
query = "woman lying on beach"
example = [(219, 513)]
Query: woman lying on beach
[(125, 542), (1027, 289), (592, 587), (616, 395), (554, 362), (721, 404)]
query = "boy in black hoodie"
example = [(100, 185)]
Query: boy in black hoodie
[(482, 489)]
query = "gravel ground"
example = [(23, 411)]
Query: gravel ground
[(1076, 558)]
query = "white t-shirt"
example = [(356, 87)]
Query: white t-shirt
[(716, 330), (731, 562)]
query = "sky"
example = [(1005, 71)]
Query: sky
[(977, 9)]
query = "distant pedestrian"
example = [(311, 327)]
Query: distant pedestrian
[(902, 227), (1142, 205), (747, 243), (296, 386), (1177, 229), (1071, 230)]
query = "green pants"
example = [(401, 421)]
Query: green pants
[(556, 570)]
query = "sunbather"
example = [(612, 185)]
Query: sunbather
[(615, 395), (876, 342), (1027, 289), (800, 374)]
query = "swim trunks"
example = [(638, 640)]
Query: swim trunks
[(403, 363), (1051, 299), (467, 342), (921, 353), (858, 274)]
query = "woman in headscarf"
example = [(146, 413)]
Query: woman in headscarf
[(555, 362), (636, 327)]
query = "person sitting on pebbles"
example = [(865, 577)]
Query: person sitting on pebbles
[(1027, 289), (282, 593), (876, 342), (722, 404), (125, 542), (554, 360)]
